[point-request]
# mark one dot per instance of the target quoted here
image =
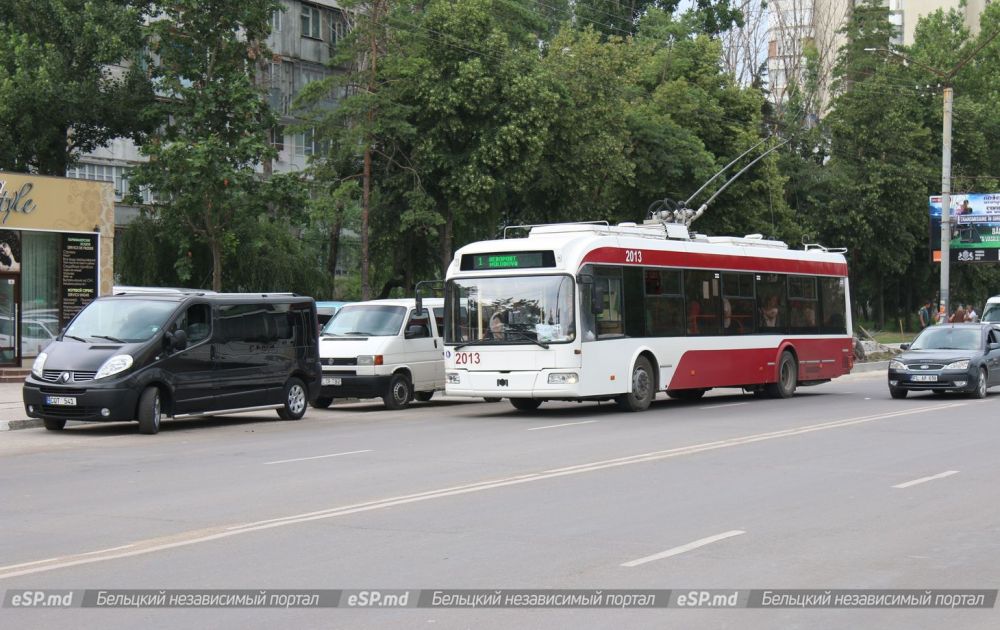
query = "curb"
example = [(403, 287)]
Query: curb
[(27, 423), (871, 366)]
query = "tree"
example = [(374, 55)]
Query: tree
[(68, 80), (202, 161)]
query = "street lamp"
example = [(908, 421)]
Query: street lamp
[(949, 95)]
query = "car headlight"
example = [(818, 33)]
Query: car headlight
[(114, 365), (896, 365), (370, 359), (958, 365), (563, 378), (39, 365)]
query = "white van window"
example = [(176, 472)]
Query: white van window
[(421, 320), (120, 321), (373, 320)]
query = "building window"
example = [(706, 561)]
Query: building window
[(276, 19), (305, 143), (310, 22), (338, 28)]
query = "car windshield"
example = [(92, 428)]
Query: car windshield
[(948, 338), (120, 321), (510, 310), (372, 320), (992, 313)]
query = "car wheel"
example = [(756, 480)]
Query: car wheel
[(149, 411), (897, 392), (525, 404), (643, 386), (54, 425), (981, 385), (423, 396), (398, 393), (294, 400), (686, 394), (323, 402), (788, 376)]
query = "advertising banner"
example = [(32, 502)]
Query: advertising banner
[(975, 227)]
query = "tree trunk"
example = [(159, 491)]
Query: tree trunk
[(446, 254), (331, 264), (216, 265), (366, 292)]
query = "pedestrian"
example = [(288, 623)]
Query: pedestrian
[(958, 316), (971, 315), (925, 315)]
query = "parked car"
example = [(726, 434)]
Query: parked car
[(383, 349), (991, 312), (948, 358), (325, 310), (144, 355)]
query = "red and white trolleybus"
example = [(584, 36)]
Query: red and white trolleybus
[(590, 311)]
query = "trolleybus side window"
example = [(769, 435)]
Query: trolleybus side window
[(738, 303), (833, 303), (771, 306), (704, 304), (802, 304), (608, 291), (664, 303)]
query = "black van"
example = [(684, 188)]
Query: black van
[(141, 356)]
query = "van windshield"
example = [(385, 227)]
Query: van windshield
[(120, 321), (370, 320), (992, 313)]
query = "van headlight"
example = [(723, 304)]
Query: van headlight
[(114, 365), (958, 365), (563, 378), (39, 365), (369, 359)]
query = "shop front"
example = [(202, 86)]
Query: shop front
[(56, 247)]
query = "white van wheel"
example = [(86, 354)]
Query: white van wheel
[(294, 400), (423, 396), (398, 393), (149, 411)]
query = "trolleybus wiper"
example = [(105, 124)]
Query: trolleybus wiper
[(528, 337)]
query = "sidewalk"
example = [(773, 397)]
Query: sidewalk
[(12, 415)]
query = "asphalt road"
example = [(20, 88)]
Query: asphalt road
[(840, 487)]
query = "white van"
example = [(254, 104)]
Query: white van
[(991, 312), (383, 349)]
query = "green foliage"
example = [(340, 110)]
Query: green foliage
[(59, 97)]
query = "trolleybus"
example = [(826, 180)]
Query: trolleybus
[(591, 311)]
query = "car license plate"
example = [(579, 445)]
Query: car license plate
[(925, 378), (331, 380), (66, 401)]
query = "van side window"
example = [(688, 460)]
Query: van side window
[(419, 319), (439, 319), (248, 323), (196, 322)]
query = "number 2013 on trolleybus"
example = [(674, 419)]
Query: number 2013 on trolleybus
[(590, 311)]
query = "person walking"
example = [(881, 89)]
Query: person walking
[(971, 315), (958, 316), (925, 315)]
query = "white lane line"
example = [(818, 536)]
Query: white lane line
[(926, 479), (724, 405), (187, 538), (567, 424), (701, 542), (302, 459)]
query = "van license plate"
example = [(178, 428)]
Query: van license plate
[(330, 380), (925, 378), (66, 401)]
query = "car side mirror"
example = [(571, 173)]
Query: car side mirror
[(904, 346), (178, 340), (416, 330), (994, 346)]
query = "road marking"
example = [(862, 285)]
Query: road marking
[(187, 538), (925, 479), (567, 424), (724, 405), (302, 459), (701, 542)]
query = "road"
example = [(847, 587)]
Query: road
[(839, 487)]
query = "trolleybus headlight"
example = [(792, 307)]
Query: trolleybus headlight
[(370, 359), (896, 365), (454, 378), (563, 378), (39, 365), (958, 365)]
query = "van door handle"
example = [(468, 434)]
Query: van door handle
[(435, 343), (212, 353)]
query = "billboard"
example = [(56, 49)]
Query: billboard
[(975, 227)]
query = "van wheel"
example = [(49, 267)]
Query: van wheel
[(525, 404), (294, 400), (322, 402), (399, 392), (54, 425), (423, 396), (642, 392), (149, 411), (686, 394), (788, 376)]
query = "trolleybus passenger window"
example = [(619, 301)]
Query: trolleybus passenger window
[(664, 303), (608, 290), (802, 304), (833, 305), (771, 302), (738, 303), (704, 304)]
